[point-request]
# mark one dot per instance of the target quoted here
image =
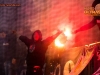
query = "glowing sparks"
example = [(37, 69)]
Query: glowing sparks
[(66, 38)]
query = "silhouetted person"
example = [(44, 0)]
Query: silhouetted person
[(36, 51)]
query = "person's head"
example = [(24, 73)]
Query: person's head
[(37, 35)]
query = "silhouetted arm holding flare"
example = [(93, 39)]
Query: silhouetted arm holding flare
[(50, 39), (87, 26)]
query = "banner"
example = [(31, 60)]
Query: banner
[(84, 58)]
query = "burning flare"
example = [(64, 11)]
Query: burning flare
[(58, 43), (68, 33)]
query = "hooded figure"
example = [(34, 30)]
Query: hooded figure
[(36, 51), (38, 33)]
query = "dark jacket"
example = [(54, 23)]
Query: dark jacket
[(37, 49)]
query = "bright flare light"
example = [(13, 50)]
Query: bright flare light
[(58, 43), (68, 33)]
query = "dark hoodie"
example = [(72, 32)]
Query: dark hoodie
[(37, 49)]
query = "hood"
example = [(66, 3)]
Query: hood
[(40, 34)]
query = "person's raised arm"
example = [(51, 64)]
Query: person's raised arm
[(50, 39), (87, 26), (24, 39)]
